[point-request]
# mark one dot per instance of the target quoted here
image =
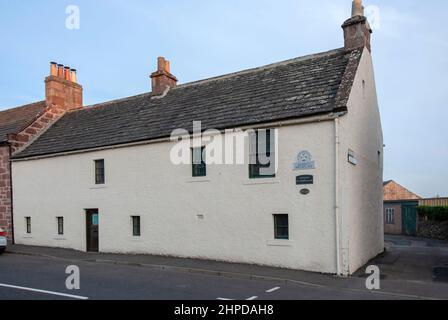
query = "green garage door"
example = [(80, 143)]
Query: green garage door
[(409, 220)]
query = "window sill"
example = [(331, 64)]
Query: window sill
[(258, 181), (280, 243), (198, 180), (98, 187)]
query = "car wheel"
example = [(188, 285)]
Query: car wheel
[(2, 251)]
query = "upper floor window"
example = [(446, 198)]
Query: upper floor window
[(99, 172), (198, 161), (262, 154), (390, 215)]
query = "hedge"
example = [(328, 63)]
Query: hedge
[(433, 213)]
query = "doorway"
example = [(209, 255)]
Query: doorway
[(409, 220), (92, 230)]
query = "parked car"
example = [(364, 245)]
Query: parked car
[(2, 241)]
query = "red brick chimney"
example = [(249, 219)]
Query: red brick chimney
[(162, 78), (61, 88), (62, 94), (357, 30)]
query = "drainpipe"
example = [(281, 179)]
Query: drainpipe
[(336, 197)]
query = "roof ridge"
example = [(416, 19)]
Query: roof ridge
[(268, 66), (23, 106), (400, 185), (216, 78)]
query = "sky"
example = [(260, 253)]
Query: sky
[(118, 41)]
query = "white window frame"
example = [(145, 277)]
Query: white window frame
[(390, 215)]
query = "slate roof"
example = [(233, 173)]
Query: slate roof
[(17, 119), (300, 87)]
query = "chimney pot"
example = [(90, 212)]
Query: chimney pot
[(357, 8), (167, 66), (161, 63), (67, 74), (61, 71), (53, 69), (74, 77)]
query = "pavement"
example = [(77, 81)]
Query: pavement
[(411, 259), (406, 270)]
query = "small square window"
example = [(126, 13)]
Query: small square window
[(99, 172), (136, 227), (198, 161), (390, 216), (281, 226), (60, 225), (28, 225)]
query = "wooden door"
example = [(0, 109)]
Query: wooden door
[(92, 230)]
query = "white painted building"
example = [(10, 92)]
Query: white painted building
[(101, 178)]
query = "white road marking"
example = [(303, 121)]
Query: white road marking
[(250, 299), (44, 291), (272, 290)]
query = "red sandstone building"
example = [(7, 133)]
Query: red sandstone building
[(20, 126)]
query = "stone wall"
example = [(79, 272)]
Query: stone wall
[(433, 229), (5, 191)]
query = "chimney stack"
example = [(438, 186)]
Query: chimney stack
[(62, 89), (357, 31), (162, 79)]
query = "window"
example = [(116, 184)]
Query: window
[(262, 154), (60, 225), (352, 157), (390, 215), (136, 232), (99, 172), (281, 226), (28, 225), (198, 160)]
